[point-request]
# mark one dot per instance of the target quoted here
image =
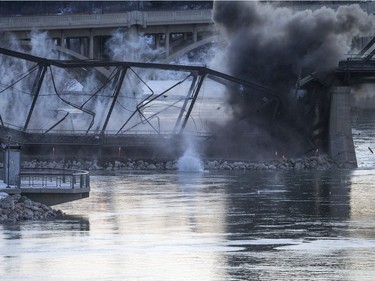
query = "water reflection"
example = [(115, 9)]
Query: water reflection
[(259, 225), (363, 137), (286, 209), (284, 202), (14, 231)]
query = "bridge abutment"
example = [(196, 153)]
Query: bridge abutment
[(341, 146)]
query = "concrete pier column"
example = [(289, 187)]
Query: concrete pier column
[(62, 39), (67, 44), (91, 45), (157, 41), (133, 34), (167, 37), (341, 146), (195, 34), (82, 46)]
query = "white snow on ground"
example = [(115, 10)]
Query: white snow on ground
[(4, 185), (3, 195)]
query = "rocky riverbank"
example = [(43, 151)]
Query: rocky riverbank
[(322, 162), (15, 208)]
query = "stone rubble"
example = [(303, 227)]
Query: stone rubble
[(15, 208), (321, 162)]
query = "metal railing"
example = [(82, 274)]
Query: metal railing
[(53, 178), (357, 64)]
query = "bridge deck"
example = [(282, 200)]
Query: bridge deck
[(142, 18), (356, 70), (91, 139)]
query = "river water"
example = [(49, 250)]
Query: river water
[(253, 225)]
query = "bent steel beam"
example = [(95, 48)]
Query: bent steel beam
[(183, 109), (116, 93), (193, 99), (35, 92), (146, 102), (367, 47), (187, 68)]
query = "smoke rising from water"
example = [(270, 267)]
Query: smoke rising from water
[(275, 46), (190, 160)]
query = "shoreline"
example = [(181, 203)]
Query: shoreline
[(322, 162)]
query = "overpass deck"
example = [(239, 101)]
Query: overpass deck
[(83, 21)]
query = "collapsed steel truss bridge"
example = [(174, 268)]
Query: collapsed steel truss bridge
[(115, 128)]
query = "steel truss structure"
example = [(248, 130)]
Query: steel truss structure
[(118, 70)]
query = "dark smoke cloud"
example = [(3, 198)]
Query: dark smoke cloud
[(274, 45)]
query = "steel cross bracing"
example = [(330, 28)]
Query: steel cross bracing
[(120, 69)]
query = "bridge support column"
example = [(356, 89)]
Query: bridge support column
[(62, 39), (341, 146), (195, 34), (133, 36), (91, 45), (167, 38), (157, 41)]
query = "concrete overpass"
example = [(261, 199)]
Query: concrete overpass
[(86, 34)]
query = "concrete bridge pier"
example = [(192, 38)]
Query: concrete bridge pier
[(91, 45), (341, 146)]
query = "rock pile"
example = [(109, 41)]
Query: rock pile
[(306, 163), (322, 162), (15, 208)]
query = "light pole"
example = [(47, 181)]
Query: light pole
[(8, 160)]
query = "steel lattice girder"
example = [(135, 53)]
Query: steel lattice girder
[(199, 73)]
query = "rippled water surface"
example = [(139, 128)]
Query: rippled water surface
[(257, 225), (363, 129), (254, 225)]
